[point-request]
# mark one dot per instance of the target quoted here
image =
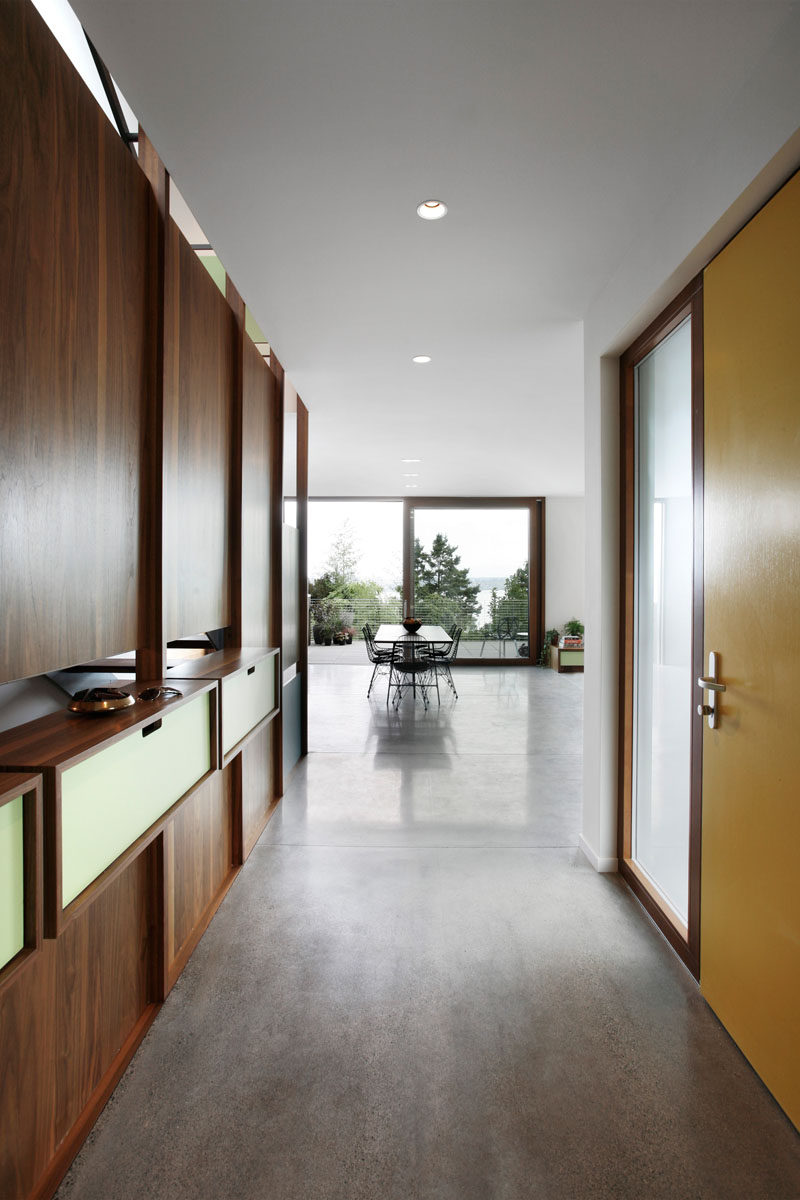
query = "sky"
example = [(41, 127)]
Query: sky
[(492, 542)]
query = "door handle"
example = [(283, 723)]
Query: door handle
[(712, 685)]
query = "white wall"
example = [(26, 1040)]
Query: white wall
[(754, 151), (565, 559)]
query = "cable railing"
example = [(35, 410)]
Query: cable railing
[(338, 621)]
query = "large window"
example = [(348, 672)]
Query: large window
[(477, 564)]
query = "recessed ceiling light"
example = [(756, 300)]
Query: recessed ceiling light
[(421, 358), (412, 485), (410, 474), (410, 460), (431, 210)]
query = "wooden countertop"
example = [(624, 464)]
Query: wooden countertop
[(220, 663), (64, 737)]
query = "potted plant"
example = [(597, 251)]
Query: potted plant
[(550, 639), (324, 622)]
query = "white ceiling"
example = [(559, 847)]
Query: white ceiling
[(303, 134)]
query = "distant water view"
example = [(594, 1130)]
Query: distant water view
[(485, 596)]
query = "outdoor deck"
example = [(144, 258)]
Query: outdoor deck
[(356, 654)]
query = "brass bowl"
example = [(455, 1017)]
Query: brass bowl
[(411, 624), (100, 700)]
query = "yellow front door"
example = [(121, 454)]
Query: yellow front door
[(750, 906)]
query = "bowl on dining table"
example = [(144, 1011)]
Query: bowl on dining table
[(411, 624)]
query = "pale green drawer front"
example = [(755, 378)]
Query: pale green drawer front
[(110, 799), (246, 700), (571, 658), (12, 881)]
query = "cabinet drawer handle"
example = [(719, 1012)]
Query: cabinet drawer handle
[(153, 727), (250, 670)]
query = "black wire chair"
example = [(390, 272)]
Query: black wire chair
[(502, 633), (444, 657), (412, 673), (438, 651), (382, 659)]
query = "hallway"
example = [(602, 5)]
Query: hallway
[(417, 987)]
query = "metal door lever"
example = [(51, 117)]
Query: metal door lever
[(711, 685)]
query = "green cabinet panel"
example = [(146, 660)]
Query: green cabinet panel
[(247, 697), (12, 881), (110, 799)]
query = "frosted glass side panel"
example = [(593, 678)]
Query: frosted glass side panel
[(110, 799), (246, 700), (663, 618), (12, 881)]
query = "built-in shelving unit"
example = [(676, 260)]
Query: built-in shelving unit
[(145, 440)]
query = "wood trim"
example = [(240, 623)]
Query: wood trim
[(651, 902), (698, 610), (302, 537), (237, 812), (276, 555), (162, 930), (626, 595), (685, 939), (675, 312), (233, 632), (151, 653), (32, 832), (537, 526), (29, 787), (465, 501)]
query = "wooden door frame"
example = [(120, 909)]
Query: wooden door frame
[(536, 563), (685, 940)]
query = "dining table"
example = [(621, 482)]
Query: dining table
[(432, 635), (414, 644)]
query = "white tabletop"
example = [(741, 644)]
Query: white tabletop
[(426, 633)]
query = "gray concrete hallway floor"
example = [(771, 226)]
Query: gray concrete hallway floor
[(417, 987)]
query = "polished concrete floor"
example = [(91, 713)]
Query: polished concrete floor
[(417, 988)]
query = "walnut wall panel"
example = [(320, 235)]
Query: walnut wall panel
[(258, 788), (198, 392), (200, 851), (74, 219), (65, 1019), (258, 402)]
